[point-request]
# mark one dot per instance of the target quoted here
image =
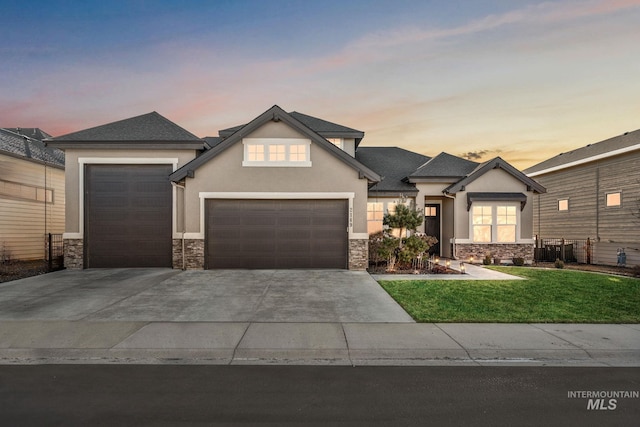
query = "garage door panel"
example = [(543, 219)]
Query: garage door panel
[(277, 234), (128, 216)]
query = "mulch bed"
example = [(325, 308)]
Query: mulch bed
[(609, 269), (22, 269)]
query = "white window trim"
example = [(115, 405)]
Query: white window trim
[(270, 196), (494, 225), (83, 161), (266, 142)]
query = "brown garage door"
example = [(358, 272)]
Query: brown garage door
[(128, 216), (276, 234)]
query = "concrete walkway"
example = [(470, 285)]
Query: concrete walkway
[(36, 342)]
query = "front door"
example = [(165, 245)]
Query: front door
[(432, 225)]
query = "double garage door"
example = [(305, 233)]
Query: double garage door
[(128, 218), (275, 234)]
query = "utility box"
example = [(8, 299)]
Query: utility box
[(622, 257)]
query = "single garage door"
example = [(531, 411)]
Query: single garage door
[(264, 234), (128, 216)]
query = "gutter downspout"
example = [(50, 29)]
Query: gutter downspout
[(454, 255), (184, 209)]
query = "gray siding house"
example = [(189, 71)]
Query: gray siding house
[(593, 192)]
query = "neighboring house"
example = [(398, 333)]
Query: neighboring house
[(474, 209), (593, 192), (32, 195), (285, 190)]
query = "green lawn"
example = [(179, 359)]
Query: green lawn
[(554, 296)]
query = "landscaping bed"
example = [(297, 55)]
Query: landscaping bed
[(22, 269), (548, 296)]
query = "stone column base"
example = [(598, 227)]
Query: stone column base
[(358, 254), (503, 251), (193, 254), (73, 254)]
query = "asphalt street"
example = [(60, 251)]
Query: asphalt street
[(47, 395)]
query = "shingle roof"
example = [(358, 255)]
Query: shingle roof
[(495, 163), (606, 148), (17, 145), (146, 127), (445, 165), (393, 164), (322, 127), (35, 133)]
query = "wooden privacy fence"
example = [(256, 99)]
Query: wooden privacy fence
[(567, 250)]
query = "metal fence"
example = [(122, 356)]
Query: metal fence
[(567, 250), (54, 250)]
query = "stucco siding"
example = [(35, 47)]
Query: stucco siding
[(73, 187), (24, 222), (495, 181), (226, 174)]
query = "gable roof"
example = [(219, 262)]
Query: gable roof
[(444, 165), (147, 130), (28, 148), (276, 114), (321, 127), (496, 163), (393, 164), (629, 141)]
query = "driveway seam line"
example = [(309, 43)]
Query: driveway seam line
[(474, 360), (235, 349), (346, 341)]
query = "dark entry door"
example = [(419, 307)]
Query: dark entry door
[(432, 225), (266, 234), (128, 216)]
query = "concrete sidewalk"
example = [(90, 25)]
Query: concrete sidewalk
[(53, 342)]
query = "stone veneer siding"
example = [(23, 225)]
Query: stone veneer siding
[(193, 252), (73, 254), (358, 254), (503, 251)]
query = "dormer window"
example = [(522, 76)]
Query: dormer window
[(338, 142), (276, 152)]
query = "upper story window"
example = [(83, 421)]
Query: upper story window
[(277, 152), (338, 142), (614, 199), (26, 192), (563, 204), (494, 223)]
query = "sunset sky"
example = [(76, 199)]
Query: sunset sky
[(524, 80)]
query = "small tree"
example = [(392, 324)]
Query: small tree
[(404, 218)]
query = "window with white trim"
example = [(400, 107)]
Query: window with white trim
[(494, 223), (276, 152), (563, 204)]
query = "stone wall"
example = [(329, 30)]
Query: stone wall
[(504, 252), (73, 254), (193, 254), (358, 254)]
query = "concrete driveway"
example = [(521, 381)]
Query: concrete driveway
[(165, 295)]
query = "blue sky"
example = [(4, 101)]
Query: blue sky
[(521, 79)]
